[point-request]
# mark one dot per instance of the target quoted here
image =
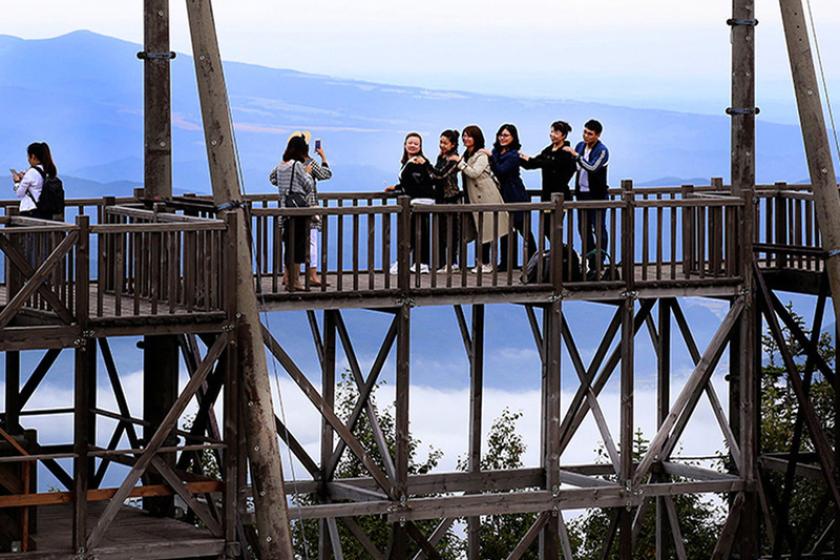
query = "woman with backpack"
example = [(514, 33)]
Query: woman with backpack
[(29, 185), (294, 180)]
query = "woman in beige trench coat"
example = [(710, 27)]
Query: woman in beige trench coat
[(481, 188)]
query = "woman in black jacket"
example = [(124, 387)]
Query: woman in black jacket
[(417, 181), (558, 167), (446, 174)]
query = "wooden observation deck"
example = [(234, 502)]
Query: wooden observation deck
[(128, 266)]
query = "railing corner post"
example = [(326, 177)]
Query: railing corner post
[(557, 242), (83, 270), (404, 243), (628, 228)]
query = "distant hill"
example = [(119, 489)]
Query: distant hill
[(87, 101)]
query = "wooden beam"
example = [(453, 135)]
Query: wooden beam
[(258, 413), (723, 422), (327, 412), (156, 441), (365, 389), (818, 437), (103, 494), (401, 422), (364, 540), (579, 407), (476, 357), (37, 376), (594, 406), (674, 522), (529, 537), (723, 547), (35, 279), (668, 434), (815, 137), (626, 429), (157, 101)]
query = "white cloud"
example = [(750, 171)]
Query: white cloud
[(601, 49)]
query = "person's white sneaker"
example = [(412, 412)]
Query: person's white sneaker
[(395, 268), (424, 268), (485, 269), (442, 270)]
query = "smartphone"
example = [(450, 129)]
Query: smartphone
[(317, 143), (13, 170)]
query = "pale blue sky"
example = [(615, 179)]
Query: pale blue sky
[(655, 53)]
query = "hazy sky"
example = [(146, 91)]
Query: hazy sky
[(672, 54)]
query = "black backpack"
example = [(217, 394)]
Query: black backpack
[(572, 271), (51, 201)]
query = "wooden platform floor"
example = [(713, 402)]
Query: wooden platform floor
[(124, 309), (133, 535), (378, 288)]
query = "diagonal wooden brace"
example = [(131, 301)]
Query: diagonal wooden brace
[(365, 388), (36, 278), (174, 481), (328, 413), (598, 414), (684, 405), (157, 440)]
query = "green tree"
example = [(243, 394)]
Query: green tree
[(779, 407), (376, 527), (699, 522), (505, 448)]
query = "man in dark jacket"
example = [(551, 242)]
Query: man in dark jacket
[(558, 167), (592, 158)]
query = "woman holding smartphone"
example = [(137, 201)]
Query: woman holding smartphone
[(29, 184), (320, 172), (293, 178)]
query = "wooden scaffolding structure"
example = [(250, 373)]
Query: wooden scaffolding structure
[(170, 269)]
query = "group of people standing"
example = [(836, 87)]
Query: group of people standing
[(493, 176), (479, 175)]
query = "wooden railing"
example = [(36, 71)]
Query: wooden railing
[(156, 262), (133, 263), (148, 259), (786, 232), (640, 239)]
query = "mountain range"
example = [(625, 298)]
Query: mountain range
[(82, 92)]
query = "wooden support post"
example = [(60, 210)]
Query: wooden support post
[(160, 390), (625, 544), (552, 341), (160, 353), (12, 391), (157, 109), (399, 550), (836, 436), (663, 407), (476, 400), (274, 538), (743, 349), (327, 434), (815, 136), (84, 427)]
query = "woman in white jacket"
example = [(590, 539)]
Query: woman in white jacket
[(28, 184), (481, 188)]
